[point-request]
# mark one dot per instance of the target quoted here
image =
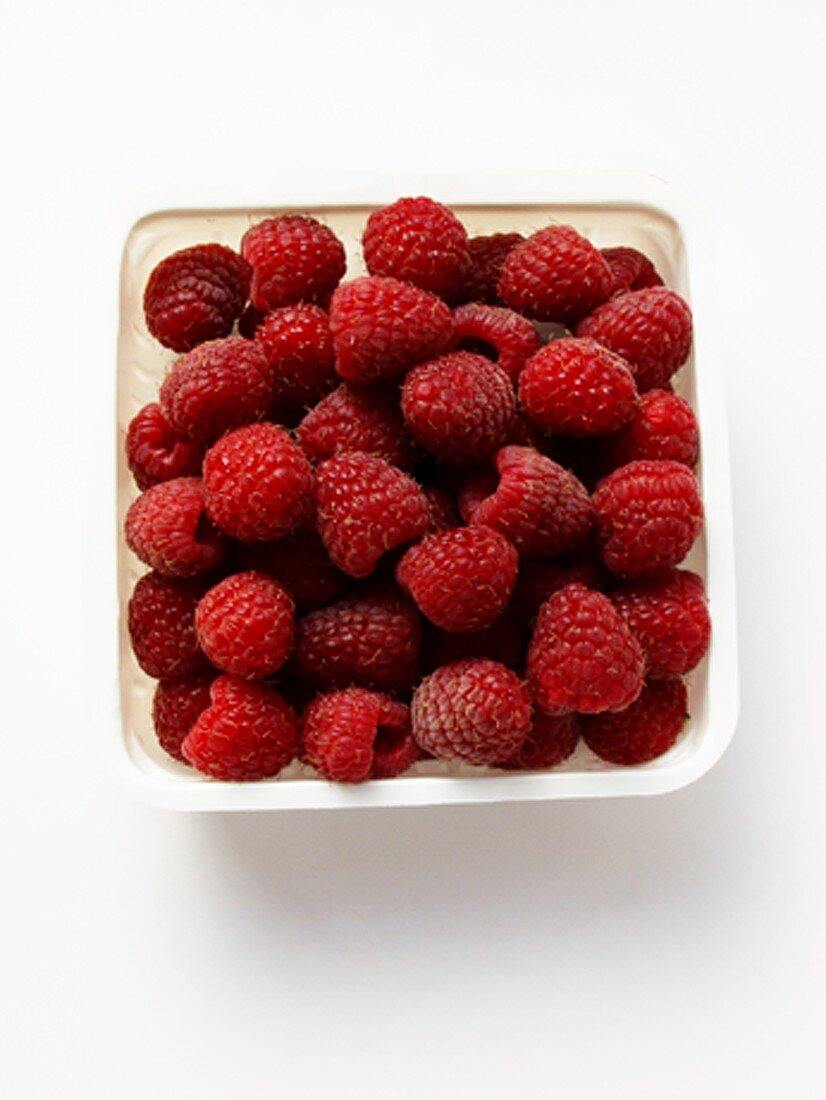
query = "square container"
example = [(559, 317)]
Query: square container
[(610, 211)]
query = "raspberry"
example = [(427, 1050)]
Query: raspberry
[(500, 642), (357, 419), (443, 512), (631, 270), (651, 329), (167, 528), (476, 711), (418, 241), (498, 333), (371, 639), (353, 735), (294, 258), (176, 706), (663, 426), (550, 741), (555, 275), (248, 732), (365, 508), (155, 453), (246, 625), (161, 622), (299, 348), (218, 386), (461, 579), (299, 562), (541, 508), (582, 657), (538, 580), (258, 484), (645, 730), (195, 295), (459, 407), (648, 515), (487, 254), (575, 387), (669, 617), (381, 328)]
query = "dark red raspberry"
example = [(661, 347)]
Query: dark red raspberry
[(156, 453), (651, 329), (663, 426), (555, 275), (353, 735), (300, 563), (501, 642), (382, 327), (248, 732), (371, 639), (643, 731), (246, 625), (669, 617), (365, 508), (218, 386), (357, 418), (476, 711), (541, 508), (576, 387), (195, 295), (161, 622), (487, 254), (461, 579), (294, 259), (497, 333), (299, 349), (418, 241), (258, 484), (459, 407), (176, 707), (582, 656), (443, 512), (550, 741), (538, 580), (249, 321), (648, 515), (167, 528), (631, 269)]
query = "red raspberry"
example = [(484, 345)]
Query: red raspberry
[(294, 259), (357, 419), (443, 512), (156, 453), (176, 707), (167, 528), (418, 241), (258, 484), (555, 275), (161, 622), (496, 332), (651, 329), (631, 269), (195, 295), (648, 515), (299, 348), (669, 617), (540, 507), (476, 711), (550, 741), (353, 735), (299, 562), (381, 328), (487, 254), (538, 580), (663, 426), (645, 730), (575, 387), (461, 579), (248, 732), (500, 642), (246, 625), (218, 386), (459, 407), (365, 508), (371, 639), (582, 657)]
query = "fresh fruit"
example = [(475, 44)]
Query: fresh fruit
[(161, 623), (358, 418), (353, 735), (418, 241), (298, 345), (631, 269), (663, 426), (176, 706), (481, 280), (669, 617), (550, 741), (155, 452), (167, 528), (497, 333), (294, 258), (644, 730), (246, 625)]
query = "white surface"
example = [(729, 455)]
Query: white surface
[(671, 946)]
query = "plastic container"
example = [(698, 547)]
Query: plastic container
[(640, 213)]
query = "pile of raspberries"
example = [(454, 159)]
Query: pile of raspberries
[(433, 512)]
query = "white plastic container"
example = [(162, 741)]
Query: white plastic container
[(640, 212)]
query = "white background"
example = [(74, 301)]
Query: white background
[(669, 947)]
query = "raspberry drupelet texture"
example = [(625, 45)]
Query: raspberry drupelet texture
[(669, 617), (663, 426), (550, 741), (487, 255), (358, 418), (299, 562), (497, 333), (299, 348), (461, 580), (167, 528), (648, 515), (501, 642), (582, 656), (161, 623), (538, 580), (176, 707), (475, 711), (246, 625), (353, 735), (294, 258), (195, 295), (645, 730), (631, 269), (248, 732), (155, 452), (258, 484), (418, 241)]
